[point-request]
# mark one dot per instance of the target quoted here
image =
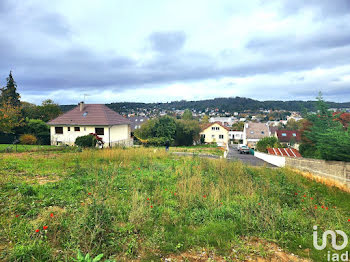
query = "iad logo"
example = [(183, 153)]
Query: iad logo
[(333, 234)]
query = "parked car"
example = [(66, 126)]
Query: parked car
[(244, 150), (239, 146)]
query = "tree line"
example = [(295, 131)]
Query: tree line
[(22, 118), (231, 104)]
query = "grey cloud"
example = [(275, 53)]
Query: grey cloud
[(5, 7), (325, 8), (340, 37), (53, 24), (79, 67), (167, 41), (93, 71)]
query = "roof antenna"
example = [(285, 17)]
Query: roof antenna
[(85, 95)]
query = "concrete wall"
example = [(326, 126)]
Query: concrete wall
[(120, 132), (279, 161), (336, 171)]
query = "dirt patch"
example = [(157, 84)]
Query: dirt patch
[(32, 154), (254, 250), (42, 180)]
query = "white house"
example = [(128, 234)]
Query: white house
[(91, 118), (235, 135), (226, 121)]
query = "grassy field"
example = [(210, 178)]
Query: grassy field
[(30, 148), (199, 149), (144, 204)]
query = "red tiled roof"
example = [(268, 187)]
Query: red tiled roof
[(92, 114), (210, 124), (288, 135), (291, 152)]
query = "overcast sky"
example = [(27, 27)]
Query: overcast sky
[(159, 50)]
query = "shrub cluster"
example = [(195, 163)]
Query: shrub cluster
[(28, 139), (86, 141)]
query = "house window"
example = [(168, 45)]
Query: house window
[(203, 135), (212, 136), (217, 128), (68, 128), (284, 134), (221, 136), (59, 130), (294, 134), (213, 128), (252, 132), (262, 132), (100, 131), (77, 128), (84, 128)]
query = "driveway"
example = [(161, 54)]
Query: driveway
[(249, 159)]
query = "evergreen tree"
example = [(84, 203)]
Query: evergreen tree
[(9, 92), (325, 137)]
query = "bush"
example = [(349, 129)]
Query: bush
[(86, 141), (27, 139), (156, 141), (267, 142)]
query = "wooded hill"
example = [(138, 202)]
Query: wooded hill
[(232, 104)]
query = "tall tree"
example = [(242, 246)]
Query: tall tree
[(187, 132), (49, 110), (205, 119), (10, 117), (325, 137), (165, 127), (9, 92), (187, 115)]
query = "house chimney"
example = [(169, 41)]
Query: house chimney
[(81, 106)]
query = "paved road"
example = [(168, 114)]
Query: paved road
[(245, 158)]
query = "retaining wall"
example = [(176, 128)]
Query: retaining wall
[(337, 171), (332, 171), (279, 161)]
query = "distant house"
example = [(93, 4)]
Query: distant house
[(215, 132), (90, 118), (289, 137), (236, 135), (291, 152), (137, 122), (226, 121), (273, 130), (253, 132)]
